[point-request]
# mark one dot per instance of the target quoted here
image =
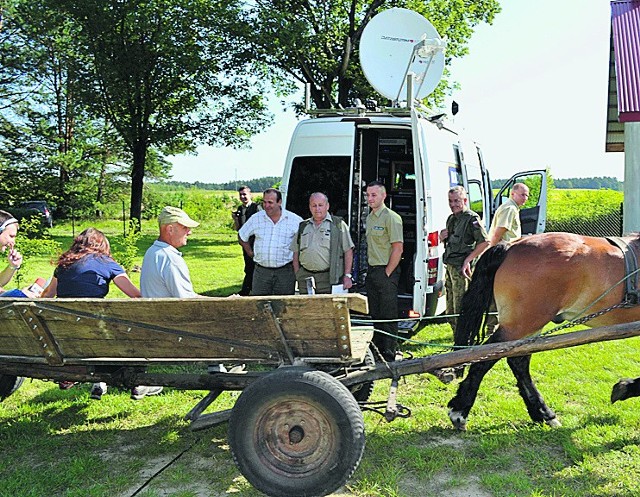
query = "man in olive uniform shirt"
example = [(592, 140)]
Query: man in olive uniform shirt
[(322, 249), (464, 239), (384, 252)]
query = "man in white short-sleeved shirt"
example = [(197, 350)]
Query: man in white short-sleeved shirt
[(273, 228)]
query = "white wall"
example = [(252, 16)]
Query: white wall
[(631, 220)]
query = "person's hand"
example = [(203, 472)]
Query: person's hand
[(444, 234), (347, 282), (466, 269), (15, 258)]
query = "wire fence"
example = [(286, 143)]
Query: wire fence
[(605, 225)]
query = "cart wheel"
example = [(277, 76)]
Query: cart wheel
[(296, 432), (9, 384), (362, 391)]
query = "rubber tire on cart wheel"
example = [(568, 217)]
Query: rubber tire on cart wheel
[(362, 391), (296, 433), (9, 384)]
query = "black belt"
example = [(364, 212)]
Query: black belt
[(314, 272), (279, 267)]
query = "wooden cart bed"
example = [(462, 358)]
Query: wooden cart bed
[(266, 330)]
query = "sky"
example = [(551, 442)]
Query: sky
[(533, 94)]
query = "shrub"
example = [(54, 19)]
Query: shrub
[(31, 222), (34, 248), (126, 250)]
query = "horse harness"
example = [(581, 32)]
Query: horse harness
[(631, 292)]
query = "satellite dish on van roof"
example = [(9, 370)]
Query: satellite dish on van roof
[(396, 42)]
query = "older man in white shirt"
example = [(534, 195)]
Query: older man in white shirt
[(273, 228)]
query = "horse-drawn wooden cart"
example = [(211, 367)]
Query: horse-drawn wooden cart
[(296, 428)]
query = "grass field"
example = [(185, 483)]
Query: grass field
[(61, 443)]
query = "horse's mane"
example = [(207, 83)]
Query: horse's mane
[(477, 299)]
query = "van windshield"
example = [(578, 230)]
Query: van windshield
[(326, 174)]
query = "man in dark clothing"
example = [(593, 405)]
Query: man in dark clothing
[(240, 216), (464, 238)]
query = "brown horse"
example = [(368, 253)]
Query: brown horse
[(538, 279)]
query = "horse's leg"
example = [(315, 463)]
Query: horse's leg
[(625, 389), (462, 403), (538, 410)]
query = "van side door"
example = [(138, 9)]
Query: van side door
[(533, 215)]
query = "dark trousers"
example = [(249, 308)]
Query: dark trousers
[(249, 266), (274, 281), (382, 293)]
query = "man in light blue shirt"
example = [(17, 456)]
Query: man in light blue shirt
[(164, 272)]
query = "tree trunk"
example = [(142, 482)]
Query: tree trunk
[(101, 184), (137, 180)]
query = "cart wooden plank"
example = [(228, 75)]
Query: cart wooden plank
[(269, 330)]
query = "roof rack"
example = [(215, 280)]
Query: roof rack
[(359, 112)]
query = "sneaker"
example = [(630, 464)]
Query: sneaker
[(98, 390), (66, 385), (140, 392), (216, 368)]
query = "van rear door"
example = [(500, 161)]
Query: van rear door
[(320, 159), (420, 259), (431, 178), (533, 215)]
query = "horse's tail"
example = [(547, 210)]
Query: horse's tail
[(478, 298)]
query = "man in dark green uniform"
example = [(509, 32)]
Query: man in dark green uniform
[(464, 238)]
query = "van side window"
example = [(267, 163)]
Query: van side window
[(476, 202), (459, 180)]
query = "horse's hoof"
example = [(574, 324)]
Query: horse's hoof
[(620, 390), (445, 375), (458, 420), (554, 423)]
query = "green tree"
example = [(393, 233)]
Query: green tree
[(317, 42), (52, 147), (164, 73)]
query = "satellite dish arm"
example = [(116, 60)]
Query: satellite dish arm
[(427, 47), (422, 80), (404, 77)]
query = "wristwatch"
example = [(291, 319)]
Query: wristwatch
[(348, 275)]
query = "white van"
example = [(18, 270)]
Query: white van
[(418, 158)]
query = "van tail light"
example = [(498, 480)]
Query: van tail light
[(433, 240), (432, 271)]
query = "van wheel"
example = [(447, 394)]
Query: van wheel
[(296, 432), (9, 384)]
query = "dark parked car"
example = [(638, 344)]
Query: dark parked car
[(42, 207)]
